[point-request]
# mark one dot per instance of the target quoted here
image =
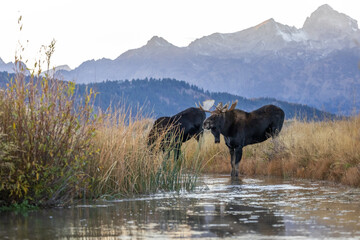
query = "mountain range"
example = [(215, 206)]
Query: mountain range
[(317, 65)]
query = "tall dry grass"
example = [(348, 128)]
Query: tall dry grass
[(210, 156), (127, 165), (328, 150)]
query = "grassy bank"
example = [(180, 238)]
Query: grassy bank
[(328, 150)]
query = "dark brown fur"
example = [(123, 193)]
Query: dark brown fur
[(179, 128)]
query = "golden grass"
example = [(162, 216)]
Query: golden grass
[(212, 156), (328, 150), (127, 165)]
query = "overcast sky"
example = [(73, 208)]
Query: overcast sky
[(86, 30)]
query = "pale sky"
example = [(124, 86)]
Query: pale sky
[(87, 29)]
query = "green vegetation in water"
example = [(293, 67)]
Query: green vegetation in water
[(19, 207)]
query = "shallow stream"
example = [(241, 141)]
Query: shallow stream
[(219, 207)]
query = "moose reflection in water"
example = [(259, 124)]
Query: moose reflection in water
[(241, 128)]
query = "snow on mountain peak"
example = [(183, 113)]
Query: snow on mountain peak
[(293, 36), (287, 33)]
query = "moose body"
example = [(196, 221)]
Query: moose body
[(178, 128), (241, 128)]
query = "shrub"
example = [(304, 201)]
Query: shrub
[(46, 139)]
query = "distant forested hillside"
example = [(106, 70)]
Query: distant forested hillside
[(165, 97)]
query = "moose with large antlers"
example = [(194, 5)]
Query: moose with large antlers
[(241, 128)]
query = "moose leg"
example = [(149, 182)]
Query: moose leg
[(232, 161), (197, 136), (200, 139), (238, 155), (274, 130)]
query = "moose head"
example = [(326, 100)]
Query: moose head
[(217, 119)]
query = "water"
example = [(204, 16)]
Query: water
[(247, 209)]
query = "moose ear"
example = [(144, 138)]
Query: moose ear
[(233, 105)]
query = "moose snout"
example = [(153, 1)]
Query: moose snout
[(206, 125)]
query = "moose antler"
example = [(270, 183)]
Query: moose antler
[(233, 105), (226, 106), (221, 109), (206, 105)]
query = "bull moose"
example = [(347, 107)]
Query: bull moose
[(241, 128), (178, 128)]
